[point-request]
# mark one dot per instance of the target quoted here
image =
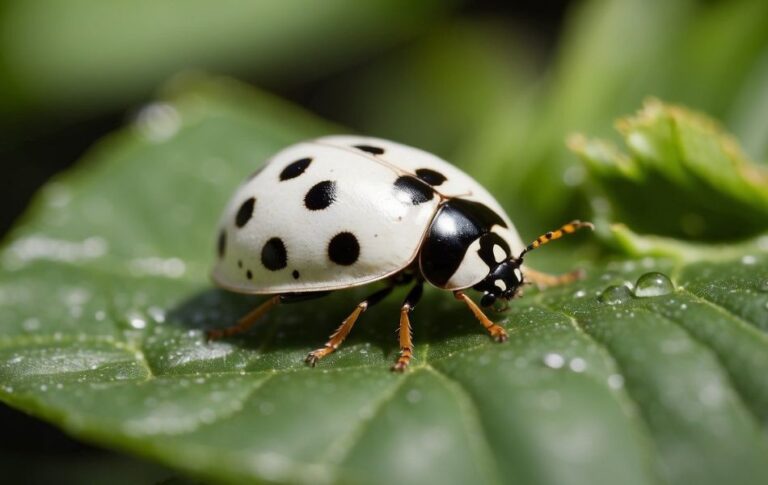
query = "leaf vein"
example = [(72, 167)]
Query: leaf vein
[(481, 444)]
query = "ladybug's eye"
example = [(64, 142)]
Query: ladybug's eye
[(487, 300)]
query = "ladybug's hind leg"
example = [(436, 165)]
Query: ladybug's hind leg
[(245, 322), (546, 280), (406, 343), (254, 315), (341, 333), (497, 331)]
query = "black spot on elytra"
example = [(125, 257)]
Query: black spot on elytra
[(249, 275), (295, 169), (430, 176), (412, 190), (273, 254), (245, 212), (295, 274), (344, 249), (370, 149), (321, 195), (222, 243)]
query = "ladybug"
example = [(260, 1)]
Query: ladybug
[(344, 211)]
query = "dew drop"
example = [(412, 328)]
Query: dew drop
[(653, 284), (31, 324), (748, 260), (615, 381), (615, 295), (553, 360), (157, 314), (158, 121), (577, 364), (136, 321)]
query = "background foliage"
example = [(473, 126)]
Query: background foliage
[(104, 290)]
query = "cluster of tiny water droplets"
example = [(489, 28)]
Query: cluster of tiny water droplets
[(554, 360), (36, 247)]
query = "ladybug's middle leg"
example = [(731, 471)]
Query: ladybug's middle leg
[(341, 333), (406, 344)]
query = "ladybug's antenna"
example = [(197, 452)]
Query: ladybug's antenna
[(569, 228)]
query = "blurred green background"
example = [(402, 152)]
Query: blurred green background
[(495, 87)]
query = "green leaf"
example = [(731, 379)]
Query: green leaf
[(683, 176), (105, 301)]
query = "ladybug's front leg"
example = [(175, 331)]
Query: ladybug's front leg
[(406, 344), (497, 331)]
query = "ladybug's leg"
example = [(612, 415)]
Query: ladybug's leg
[(246, 322), (546, 280), (497, 331), (254, 315), (341, 333), (406, 344)]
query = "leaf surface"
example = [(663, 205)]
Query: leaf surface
[(105, 299)]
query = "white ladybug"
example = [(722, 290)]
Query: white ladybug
[(345, 211)]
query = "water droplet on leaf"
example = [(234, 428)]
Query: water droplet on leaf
[(653, 284), (748, 260), (578, 364), (615, 381), (615, 295), (553, 360)]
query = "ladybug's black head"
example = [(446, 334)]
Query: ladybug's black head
[(505, 279), (503, 282)]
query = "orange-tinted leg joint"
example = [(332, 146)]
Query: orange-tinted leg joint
[(406, 343), (246, 322), (337, 337), (497, 332)]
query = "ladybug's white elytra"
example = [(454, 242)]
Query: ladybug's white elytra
[(344, 211)]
